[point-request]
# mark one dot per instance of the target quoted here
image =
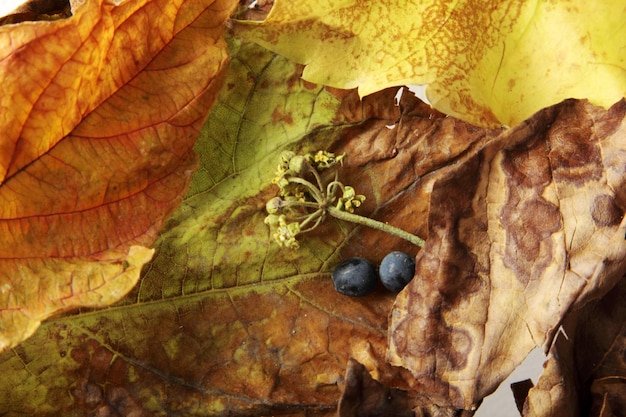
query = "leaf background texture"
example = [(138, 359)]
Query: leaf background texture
[(223, 323)]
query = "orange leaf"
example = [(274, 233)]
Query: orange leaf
[(99, 113)]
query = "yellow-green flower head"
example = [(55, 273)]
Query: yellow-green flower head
[(324, 159), (286, 233), (350, 200), (279, 177)]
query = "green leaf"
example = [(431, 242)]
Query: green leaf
[(219, 229), (488, 63)]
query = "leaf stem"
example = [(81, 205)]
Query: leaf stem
[(375, 224)]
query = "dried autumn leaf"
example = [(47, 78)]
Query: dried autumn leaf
[(586, 374), (222, 322), (600, 344), (527, 228), (486, 63), (364, 396), (99, 115)]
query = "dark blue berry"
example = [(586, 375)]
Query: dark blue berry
[(355, 277), (397, 270)]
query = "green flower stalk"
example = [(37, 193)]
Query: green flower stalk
[(305, 199)]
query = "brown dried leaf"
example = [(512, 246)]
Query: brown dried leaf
[(520, 392), (586, 374), (364, 396), (554, 395), (526, 228)]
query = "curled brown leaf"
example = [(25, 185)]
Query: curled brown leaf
[(586, 374), (526, 228)]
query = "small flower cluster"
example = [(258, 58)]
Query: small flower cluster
[(284, 233), (305, 197)]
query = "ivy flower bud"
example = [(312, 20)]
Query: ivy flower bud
[(348, 193), (274, 205), (325, 159), (285, 157), (356, 202), (271, 220), (299, 165), (285, 233)]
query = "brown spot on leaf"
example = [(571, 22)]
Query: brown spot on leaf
[(528, 245), (279, 117), (527, 165), (575, 154), (308, 85), (528, 218), (511, 84), (88, 394), (459, 346), (120, 402), (605, 212)]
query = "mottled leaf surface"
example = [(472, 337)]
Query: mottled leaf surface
[(523, 226), (222, 321), (99, 113), (527, 228), (489, 63)]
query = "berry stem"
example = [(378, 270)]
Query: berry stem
[(375, 224), (315, 192)]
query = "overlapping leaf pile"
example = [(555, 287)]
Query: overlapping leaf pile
[(221, 322), (99, 113), (524, 226)]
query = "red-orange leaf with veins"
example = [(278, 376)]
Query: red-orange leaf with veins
[(98, 113)]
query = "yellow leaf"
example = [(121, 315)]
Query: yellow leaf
[(488, 63), (34, 290)]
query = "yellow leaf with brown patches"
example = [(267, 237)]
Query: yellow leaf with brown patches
[(99, 114), (488, 63)]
